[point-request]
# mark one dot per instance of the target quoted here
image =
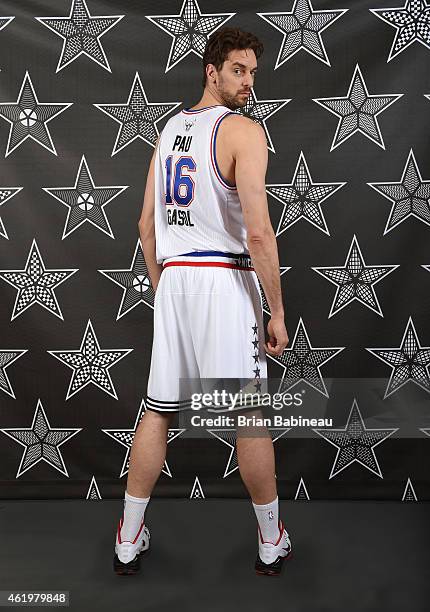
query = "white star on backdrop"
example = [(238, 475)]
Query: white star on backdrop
[(412, 22), (90, 363), (409, 492), (85, 201), (36, 284), (138, 117), (301, 492), (4, 21), (93, 492), (7, 357), (41, 442), (190, 30), (302, 198), (302, 362), (302, 28), (28, 117), (410, 196), (357, 111), (197, 491), (409, 362), (354, 280), (81, 33), (6, 193), (355, 443)]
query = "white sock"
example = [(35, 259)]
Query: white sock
[(134, 512), (267, 517)]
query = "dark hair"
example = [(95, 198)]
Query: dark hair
[(222, 41)]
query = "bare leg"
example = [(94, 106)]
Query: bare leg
[(256, 460), (148, 453)]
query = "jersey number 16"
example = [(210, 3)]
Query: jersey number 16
[(183, 184)]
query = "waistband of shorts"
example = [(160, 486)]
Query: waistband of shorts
[(221, 259)]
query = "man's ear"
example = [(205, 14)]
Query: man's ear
[(211, 72)]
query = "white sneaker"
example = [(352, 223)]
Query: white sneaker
[(127, 554), (271, 556)]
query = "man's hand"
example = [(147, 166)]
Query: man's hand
[(278, 336)]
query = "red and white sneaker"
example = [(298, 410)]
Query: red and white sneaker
[(127, 554), (271, 556)]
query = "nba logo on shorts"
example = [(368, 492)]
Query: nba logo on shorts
[(270, 515)]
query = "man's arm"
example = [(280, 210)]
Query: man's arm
[(146, 226), (249, 149)]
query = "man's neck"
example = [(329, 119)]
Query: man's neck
[(208, 99)]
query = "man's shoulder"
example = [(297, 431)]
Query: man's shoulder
[(240, 132), (238, 122), (237, 126)]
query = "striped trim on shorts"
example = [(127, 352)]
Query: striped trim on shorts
[(221, 259)]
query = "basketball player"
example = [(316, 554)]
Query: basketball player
[(206, 236)]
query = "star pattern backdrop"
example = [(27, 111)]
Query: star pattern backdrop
[(343, 96)]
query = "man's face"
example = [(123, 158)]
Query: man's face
[(236, 77)]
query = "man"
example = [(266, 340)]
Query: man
[(206, 235)]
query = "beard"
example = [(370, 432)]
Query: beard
[(232, 102)]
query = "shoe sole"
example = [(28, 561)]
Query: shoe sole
[(261, 569), (132, 567)]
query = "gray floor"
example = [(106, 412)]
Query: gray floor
[(348, 556)]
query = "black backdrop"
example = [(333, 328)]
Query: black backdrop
[(346, 117)]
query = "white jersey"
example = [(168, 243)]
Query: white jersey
[(195, 207)]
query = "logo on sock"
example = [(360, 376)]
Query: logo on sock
[(270, 515)]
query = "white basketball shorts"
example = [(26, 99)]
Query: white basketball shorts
[(208, 324)]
